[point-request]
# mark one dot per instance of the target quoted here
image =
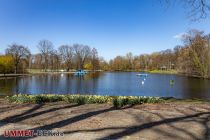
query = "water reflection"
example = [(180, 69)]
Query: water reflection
[(108, 83), (197, 87)]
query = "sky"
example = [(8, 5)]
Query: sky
[(113, 27)]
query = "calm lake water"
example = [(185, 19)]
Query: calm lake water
[(108, 83)]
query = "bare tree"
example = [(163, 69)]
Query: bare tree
[(19, 53), (94, 59), (103, 64), (66, 52), (199, 52), (82, 52), (196, 9), (37, 61), (129, 58), (46, 48), (54, 60)]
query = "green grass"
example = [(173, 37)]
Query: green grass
[(117, 101)]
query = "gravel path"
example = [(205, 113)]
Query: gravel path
[(169, 121)]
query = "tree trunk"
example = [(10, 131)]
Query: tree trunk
[(16, 68)]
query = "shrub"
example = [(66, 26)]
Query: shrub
[(70, 99), (117, 101), (81, 100), (41, 99), (98, 99), (56, 98), (120, 101), (19, 98)]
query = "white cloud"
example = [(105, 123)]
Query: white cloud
[(180, 36)]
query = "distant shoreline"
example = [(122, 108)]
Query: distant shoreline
[(37, 72)]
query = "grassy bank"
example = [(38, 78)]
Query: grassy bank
[(164, 71), (117, 101), (148, 71), (42, 71)]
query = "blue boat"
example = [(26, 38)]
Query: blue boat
[(80, 73)]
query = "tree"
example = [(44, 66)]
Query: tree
[(46, 48), (196, 9), (129, 60), (6, 64), (103, 64), (177, 52), (66, 52), (184, 61), (37, 61), (136, 63), (118, 63), (142, 62), (198, 45), (54, 60), (19, 53), (82, 52), (94, 59), (88, 66)]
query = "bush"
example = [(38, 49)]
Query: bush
[(41, 99), (81, 100), (19, 98), (98, 99), (117, 101), (121, 101), (56, 98), (70, 99)]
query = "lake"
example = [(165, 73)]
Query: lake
[(108, 83)]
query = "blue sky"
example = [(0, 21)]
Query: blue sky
[(114, 27)]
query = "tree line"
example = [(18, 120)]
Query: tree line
[(67, 57), (18, 58), (192, 58)]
